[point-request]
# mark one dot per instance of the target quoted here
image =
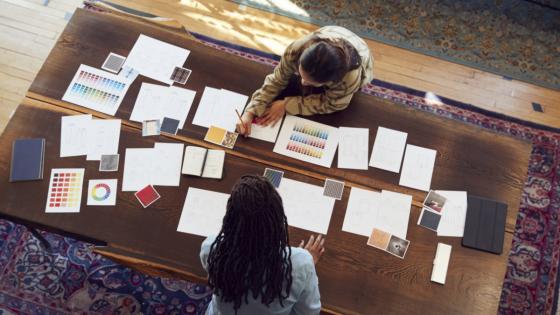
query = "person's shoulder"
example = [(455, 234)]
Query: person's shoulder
[(301, 258)]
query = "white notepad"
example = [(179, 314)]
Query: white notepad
[(441, 263), (200, 161)]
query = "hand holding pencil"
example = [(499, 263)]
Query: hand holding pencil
[(244, 125)]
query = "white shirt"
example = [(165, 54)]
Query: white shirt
[(304, 295)]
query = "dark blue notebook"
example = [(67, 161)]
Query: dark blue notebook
[(28, 157), (485, 224)]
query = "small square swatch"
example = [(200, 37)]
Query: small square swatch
[(150, 128), (147, 196), (169, 125), (429, 219), (273, 176), (113, 63), (229, 139), (333, 188), (109, 163), (102, 192), (398, 246), (379, 239), (180, 75), (215, 135)]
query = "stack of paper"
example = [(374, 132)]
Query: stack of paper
[(388, 149), (307, 140), (217, 108), (305, 206), (353, 148), (157, 102), (155, 59), (418, 167), (387, 211), (453, 214), (158, 166), (203, 212), (82, 135)]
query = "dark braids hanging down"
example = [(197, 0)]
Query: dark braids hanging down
[(251, 254)]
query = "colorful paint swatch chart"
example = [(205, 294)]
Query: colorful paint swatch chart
[(307, 140), (96, 89), (65, 190)]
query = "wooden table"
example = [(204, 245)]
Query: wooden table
[(354, 278)]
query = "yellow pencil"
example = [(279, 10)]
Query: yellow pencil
[(240, 120)]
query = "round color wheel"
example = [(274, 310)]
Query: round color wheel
[(100, 192)]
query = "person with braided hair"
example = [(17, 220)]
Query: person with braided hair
[(250, 264), (317, 74)]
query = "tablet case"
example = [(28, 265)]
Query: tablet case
[(485, 224), (28, 157)]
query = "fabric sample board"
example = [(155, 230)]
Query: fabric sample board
[(485, 224)]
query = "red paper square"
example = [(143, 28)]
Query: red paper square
[(147, 196)]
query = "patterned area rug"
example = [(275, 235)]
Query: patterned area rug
[(513, 38), (73, 279)]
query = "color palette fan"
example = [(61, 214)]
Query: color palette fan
[(96, 89)]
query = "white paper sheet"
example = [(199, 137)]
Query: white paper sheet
[(353, 148), (388, 149), (394, 212), (203, 212), (214, 165), (217, 108), (193, 160), (307, 140), (454, 213), (158, 166), (305, 206), (268, 133), (96, 89), (155, 59), (157, 102), (73, 135), (418, 166), (361, 212), (102, 138)]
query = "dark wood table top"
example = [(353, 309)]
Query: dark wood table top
[(354, 278)]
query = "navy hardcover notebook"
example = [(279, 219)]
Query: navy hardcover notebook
[(28, 157), (485, 224)]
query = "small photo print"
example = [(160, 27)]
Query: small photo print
[(229, 139), (109, 163), (429, 219), (435, 201), (398, 246), (150, 128), (379, 239)]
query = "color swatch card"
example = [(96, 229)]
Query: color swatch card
[(217, 108), (273, 176), (429, 219), (109, 163), (180, 75), (389, 243), (73, 135), (307, 140), (151, 128), (266, 133), (417, 168), (102, 138), (147, 196), (305, 206), (388, 149), (333, 188), (353, 148), (221, 137), (96, 89), (203, 212), (65, 190), (155, 59), (113, 63), (102, 192), (157, 101)]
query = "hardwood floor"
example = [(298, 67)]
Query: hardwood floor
[(29, 29)]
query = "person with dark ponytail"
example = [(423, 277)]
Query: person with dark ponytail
[(317, 74), (250, 264)]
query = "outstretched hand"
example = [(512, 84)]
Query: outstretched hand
[(274, 113), (315, 246)]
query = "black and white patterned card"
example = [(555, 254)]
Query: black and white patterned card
[(113, 63), (180, 75), (333, 188)]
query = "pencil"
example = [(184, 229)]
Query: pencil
[(240, 120)]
